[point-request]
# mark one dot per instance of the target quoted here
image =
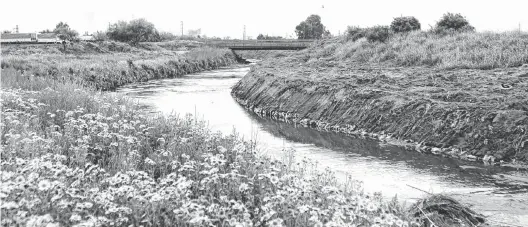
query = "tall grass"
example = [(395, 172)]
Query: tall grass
[(108, 71), (484, 50)]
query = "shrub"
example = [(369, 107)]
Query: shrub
[(405, 24), (354, 33), (453, 23), (378, 34)]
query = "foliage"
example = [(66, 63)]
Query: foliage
[(267, 37), (453, 23), (64, 32), (311, 28), (167, 36), (75, 157), (108, 71), (377, 33), (135, 31), (354, 33), (6, 32), (405, 24), (100, 36)]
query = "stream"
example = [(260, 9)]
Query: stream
[(497, 192)]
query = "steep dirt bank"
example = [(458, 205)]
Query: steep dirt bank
[(466, 113)]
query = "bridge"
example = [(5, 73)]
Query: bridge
[(281, 44)]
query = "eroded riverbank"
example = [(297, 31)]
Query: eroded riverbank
[(382, 167), (456, 113)]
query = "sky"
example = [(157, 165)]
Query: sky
[(227, 18)]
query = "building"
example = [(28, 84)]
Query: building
[(48, 38), (18, 37)]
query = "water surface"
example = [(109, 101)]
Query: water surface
[(385, 168)]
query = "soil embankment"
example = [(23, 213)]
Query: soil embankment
[(470, 114)]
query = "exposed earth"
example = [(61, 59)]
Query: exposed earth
[(470, 114)]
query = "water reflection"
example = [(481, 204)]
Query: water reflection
[(389, 169)]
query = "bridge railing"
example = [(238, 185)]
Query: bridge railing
[(261, 43)]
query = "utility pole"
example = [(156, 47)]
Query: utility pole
[(181, 26), (16, 29), (244, 35)]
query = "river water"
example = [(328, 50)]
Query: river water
[(500, 193)]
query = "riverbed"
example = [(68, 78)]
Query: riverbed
[(500, 193)]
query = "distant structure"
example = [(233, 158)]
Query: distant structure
[(29, 38)]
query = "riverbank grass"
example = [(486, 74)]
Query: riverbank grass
[(72, 156), (110, 69), (472, 50)]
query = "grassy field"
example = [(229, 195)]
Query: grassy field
[(454, 51), (109, 65)]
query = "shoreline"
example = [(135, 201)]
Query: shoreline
[(276, 91)]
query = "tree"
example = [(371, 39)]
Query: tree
[(267, 37), (405, 24), (311, 28), (64, 32), (6, 32), (453, 22), (46, 31), (135, 31)]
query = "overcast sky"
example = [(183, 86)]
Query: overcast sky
[(223, 18)]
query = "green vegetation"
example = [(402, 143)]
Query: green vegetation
[(72, 156), (451, 22), (109, 65), (311, 28), (135, 31), (405, 24), (457, 50), (64, 32)]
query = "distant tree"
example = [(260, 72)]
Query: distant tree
[(6, 32), (311, 28), (405, 24), (267, 37), (46, 31), (453, 22), (64, 32), (135, 31), (166, 36)]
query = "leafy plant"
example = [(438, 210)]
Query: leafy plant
[(405, 24)]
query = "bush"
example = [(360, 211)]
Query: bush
[(354, 33), (453, 23), (405, 24), (378, 34), (135, 31)]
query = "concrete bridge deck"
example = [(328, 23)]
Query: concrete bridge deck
[(262, 44)]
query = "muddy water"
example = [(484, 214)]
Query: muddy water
[(498, 192)]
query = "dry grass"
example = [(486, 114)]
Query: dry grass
[(108, 71), (459, 50)]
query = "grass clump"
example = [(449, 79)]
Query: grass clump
[(73, 156), (442, 210)]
